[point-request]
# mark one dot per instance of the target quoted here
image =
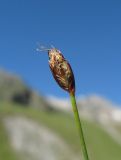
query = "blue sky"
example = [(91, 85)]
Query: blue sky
[(87, 32)]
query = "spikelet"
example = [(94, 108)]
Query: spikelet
[(61, 70)]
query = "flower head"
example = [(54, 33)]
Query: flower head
[(61, 70)]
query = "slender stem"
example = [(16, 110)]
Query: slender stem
[(78, 122)]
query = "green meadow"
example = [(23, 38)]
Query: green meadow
[(100, 145)]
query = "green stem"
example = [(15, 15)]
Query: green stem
[(78, 122)]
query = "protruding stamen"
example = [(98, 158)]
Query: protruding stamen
[(42, 48)]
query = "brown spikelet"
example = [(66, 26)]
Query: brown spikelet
[(61, 70)]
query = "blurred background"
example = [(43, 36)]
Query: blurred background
[(36, 119)]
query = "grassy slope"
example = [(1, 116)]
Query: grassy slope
[(6, 152), (117, 128), (100, 145)]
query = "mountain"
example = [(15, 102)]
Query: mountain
[(33, 127), (14, 89), (96, 109), (93, 107), (61, 104)]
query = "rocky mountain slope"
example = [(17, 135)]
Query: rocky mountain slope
[(93, 107), (14, 89), (35, 127)]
